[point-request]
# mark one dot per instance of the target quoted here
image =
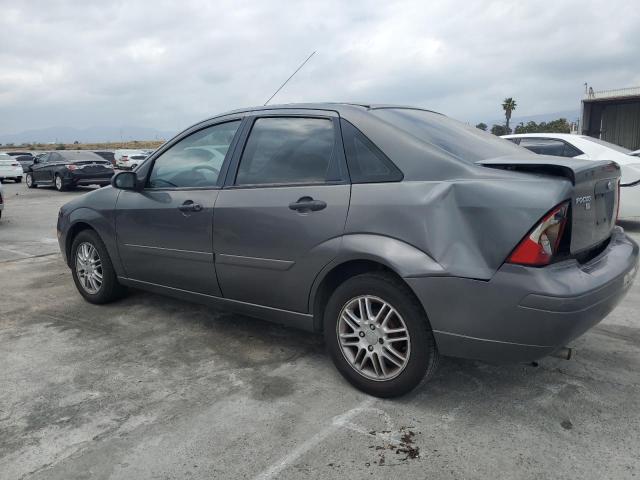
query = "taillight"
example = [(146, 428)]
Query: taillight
[(541, 244), (71, 167)]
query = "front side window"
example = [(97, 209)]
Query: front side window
[(196, 160), (287, 150)]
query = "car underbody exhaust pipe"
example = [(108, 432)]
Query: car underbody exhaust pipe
[(564, 353)]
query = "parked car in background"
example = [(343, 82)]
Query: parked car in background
[(1, 200), (399, 233), (635, 153), (10, 168), (589, 148), (107, 155), (25, 159), (69, 168), (129, 159)]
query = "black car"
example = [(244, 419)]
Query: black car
[(68, 169)]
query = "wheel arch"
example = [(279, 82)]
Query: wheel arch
[(362, 253), (73, 232)]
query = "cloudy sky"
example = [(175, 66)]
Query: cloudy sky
[(166, 64)]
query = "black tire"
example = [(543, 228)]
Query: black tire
[(18, 179), (58, 183), (423, 358), (30, 182), (110, 289)]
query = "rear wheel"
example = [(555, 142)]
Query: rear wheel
[(378, 335), (92, 269), (30, 182), (59, 184)]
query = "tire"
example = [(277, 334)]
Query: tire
[(18, 179), (58, 183), (418, 356), (30, 182), (109, 289)]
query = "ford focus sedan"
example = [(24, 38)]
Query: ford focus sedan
[(400, 234)]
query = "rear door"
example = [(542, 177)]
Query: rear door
[(279, 219), (164, 232)]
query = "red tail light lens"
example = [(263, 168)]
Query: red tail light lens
[(541, 244), (71, 167)]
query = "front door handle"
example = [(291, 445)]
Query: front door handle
[(307, 204), (190, 206)]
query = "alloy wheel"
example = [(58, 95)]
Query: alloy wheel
[(89, 268), (29, 180), (58, 183), (373, 338)]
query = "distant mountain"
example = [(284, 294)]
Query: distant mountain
[(85, 135), (570, 115)]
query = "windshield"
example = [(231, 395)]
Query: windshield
[(612, 146), (463, 141)]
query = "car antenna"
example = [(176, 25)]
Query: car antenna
[(287, 80)]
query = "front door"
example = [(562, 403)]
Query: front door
[(279, 219), (165, 231)]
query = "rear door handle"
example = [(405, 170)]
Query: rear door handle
[(307, 204), (190, 206)]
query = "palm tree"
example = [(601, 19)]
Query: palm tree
[(508, 105)]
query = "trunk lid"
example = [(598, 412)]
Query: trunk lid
[(594, 202), (92, 167)]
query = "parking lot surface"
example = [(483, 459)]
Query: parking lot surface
[(151, 387)]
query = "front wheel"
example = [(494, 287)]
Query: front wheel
[(92, 269), (30, 182), (378, 335)]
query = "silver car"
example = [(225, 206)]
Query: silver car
[(400, 234)]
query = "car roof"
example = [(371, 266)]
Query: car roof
[(338, 107)]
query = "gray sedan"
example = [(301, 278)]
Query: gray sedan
[(399, 233)]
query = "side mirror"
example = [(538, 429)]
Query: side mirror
[(125, 181)]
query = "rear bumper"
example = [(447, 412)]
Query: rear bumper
[(88, 179), (630, 203), (525, 313)]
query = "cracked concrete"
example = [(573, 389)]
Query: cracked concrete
[(151, 387)]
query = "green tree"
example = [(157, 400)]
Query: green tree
[(482, 126), (508, 105), (500, 130), (559, 125)]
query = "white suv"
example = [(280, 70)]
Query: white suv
[(129, 159)]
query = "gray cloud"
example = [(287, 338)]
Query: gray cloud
[(166, 64)]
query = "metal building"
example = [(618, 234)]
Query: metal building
[(613, 115)]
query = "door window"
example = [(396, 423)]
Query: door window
[(196, 160), (287, 150)]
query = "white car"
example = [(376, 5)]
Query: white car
[(635, 153), (129, 159), (10, 168), (589, 148)]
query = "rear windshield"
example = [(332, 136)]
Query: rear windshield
[(462, 141), (79, 156)]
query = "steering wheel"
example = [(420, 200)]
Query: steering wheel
[(207, 167)]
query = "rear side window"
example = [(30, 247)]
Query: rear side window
[(287, 150), (367, 164), (549, 146)]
